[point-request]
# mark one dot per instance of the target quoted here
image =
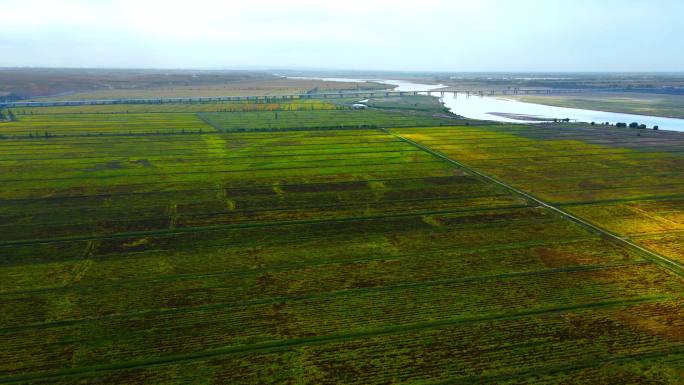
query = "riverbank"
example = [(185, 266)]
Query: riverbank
[(658, 105)]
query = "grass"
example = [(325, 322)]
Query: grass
[(629, 103), (322, 256)]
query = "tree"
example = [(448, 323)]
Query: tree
[(655, 128), (634, 125), (642, 126), (621, 125)]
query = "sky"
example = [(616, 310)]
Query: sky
[(405, 35)]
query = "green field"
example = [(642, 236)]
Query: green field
[(304, 255)]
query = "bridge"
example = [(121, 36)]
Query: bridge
[(283, 97)]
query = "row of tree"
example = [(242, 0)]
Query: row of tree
[(8, 116), (634, 125), (625, 125)]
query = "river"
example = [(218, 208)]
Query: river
[(492, 108)]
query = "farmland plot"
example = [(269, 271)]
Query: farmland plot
[(313, 257), (629, 182)]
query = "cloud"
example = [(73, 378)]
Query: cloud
[(407, 34)]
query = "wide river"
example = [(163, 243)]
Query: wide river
[(488, 108)]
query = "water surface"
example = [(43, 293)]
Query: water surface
[(486, 107)]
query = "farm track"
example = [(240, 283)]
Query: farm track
[(661, 260), (280, 345)]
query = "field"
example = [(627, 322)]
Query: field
[(105, 120), (78, 84), (328, 256), (251, 121), (630, 185), (261, 105), (268, 86)]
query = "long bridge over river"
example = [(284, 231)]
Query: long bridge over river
[(274, 98)]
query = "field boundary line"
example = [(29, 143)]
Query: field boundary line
[(674, 266), (277, 345)]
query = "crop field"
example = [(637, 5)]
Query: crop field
[(629, 182), (238, 106), (104, 121), (38, 126), (326, 256)]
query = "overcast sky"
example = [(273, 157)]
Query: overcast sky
[(454, 35)]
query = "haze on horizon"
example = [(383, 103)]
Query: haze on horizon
[(426, 35)]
